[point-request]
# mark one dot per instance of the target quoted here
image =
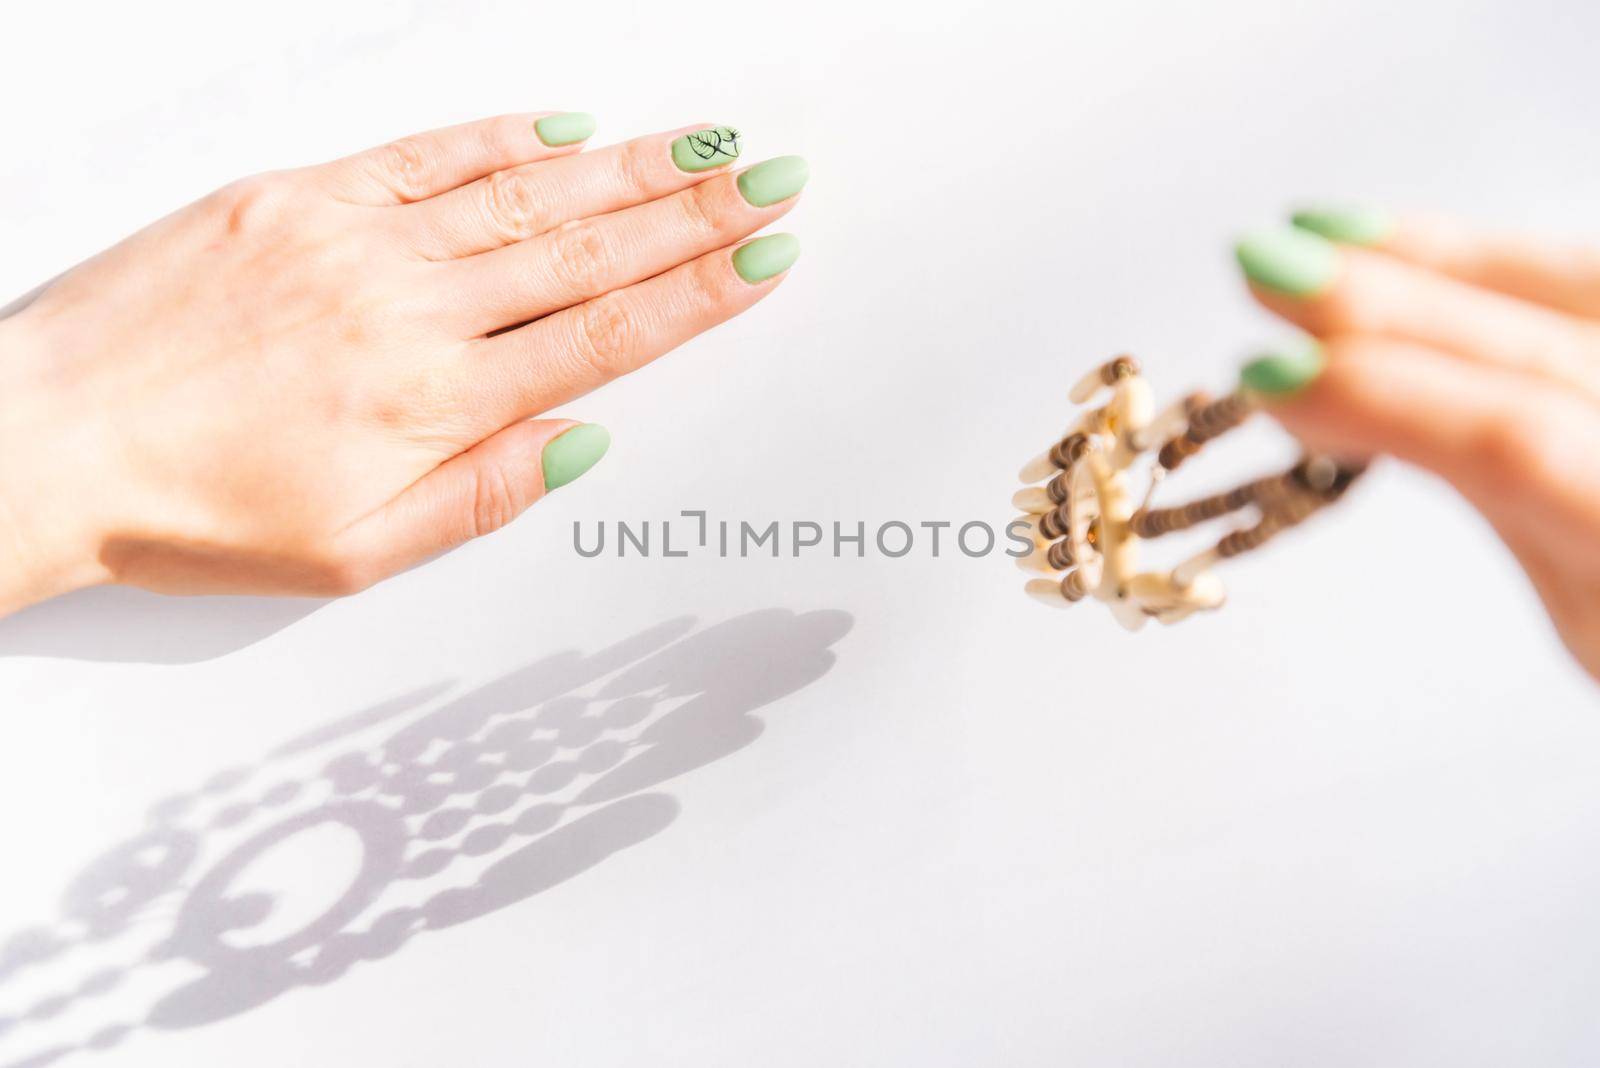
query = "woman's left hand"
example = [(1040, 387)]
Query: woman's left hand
[(315, 378)]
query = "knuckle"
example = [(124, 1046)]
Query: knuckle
[(705, 289), (606, 337), (1509, 446), (503, 137), (511, 206), (252, 205), (1350, 306), (406, 165), (496, 500), (701, 214), (635, 166), (581, 260)]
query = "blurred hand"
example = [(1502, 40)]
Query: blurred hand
[(315, 378), (1476, 357)]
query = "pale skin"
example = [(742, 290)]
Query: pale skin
[(1477, 357), (315, 378)]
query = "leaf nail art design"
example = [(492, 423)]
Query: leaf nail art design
[(705, 149)]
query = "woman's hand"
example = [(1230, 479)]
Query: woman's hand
[(1476, 357), (315, 378)]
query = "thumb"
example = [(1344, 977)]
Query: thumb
[(478, 491)]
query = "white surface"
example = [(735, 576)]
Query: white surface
[(1327, 826)]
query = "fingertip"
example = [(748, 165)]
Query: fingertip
[(572, 453), (766, 257), (1284, 370), (773, 181), (1347, 225), (565, 128), (1287, 261)]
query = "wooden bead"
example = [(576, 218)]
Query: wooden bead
[(1037, 563), (1193, 403), (1107, 374), (1205, 591), (1059, 555), (1058, 457), (1154, 522), (1177, 450), (1168, 600), (1191, 569), (1069, 589), (1291, 511), (1047, 591), (1055, 523), (1069, 449), (1072, 586), (1037, 559), (1121, 367), (1128, 417), (1326, 477), (1035, 500), (1219, 417), (1207, 419), (1242, 541), (1037, 469)]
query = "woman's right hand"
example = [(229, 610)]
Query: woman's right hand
[(1477, 357)]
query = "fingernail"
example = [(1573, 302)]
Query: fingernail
[(704, 149), (766, 256), (1352, 226), (573, 453), (567, 128), (775, 180), (1288, 261), (1279, 372)]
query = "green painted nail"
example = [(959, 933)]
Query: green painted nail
[(567, 128), (704, 149), (1287, 260), (775, 180), (1352, 226), (1282, 371), (573, 453), (766, 256)]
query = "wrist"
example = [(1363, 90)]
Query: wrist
[(47, 545)]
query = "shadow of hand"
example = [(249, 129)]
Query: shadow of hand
[(483, 801)]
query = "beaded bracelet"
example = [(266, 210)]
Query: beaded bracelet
[(1086, 531)]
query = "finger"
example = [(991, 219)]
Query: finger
[(1564, 277), (515, 204), (1513, 445), (584, 259), (1331, 291), (571, 352), (427, 164), (474, 493), (1569, 595)]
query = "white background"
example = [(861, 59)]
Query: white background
[(900, 815)]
